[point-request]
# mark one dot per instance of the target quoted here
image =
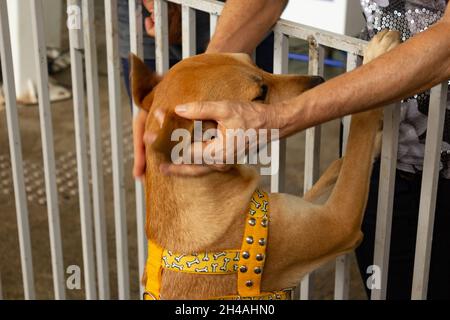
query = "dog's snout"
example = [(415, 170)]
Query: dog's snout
[(315, 81)]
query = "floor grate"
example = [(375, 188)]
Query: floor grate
[(66, 171)]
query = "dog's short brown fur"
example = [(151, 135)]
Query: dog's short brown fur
[(195, 214)]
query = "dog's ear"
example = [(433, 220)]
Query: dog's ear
[(163, 142), (143, 81)]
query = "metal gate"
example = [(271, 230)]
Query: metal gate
[(92, 206)]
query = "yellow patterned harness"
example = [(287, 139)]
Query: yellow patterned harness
[(247, 262)]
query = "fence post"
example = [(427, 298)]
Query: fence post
[(342, 272), (161, 36), (188, 31), (137, 47), (312, 148), (47, 147), (15, 150), (213, 24), (386, 191), (312, 142), (115, 115), (76, 58), (95, 144), (280, 66), (430, 177)]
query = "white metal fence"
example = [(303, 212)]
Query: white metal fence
[(92, 206)]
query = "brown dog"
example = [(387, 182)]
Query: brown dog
[(195, 214)]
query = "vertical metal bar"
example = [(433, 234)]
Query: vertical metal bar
[(306, 286), (312, 143), (136, 45), (47, 147), (115, 109), (15, 149), (213, 18), (253, 56), (188, 31), (136, 32), (435, 125), (346, 120), (342, 278), (342, 272), (386, 189), (76, 59), (161, 36), (353, 61), (312, 147), (95, 144), (280, 66)]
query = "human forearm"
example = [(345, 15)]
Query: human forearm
[(412, 67), (243, 24)]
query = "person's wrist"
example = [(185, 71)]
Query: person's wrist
[(216, 46), (276, 117)]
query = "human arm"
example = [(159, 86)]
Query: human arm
[(418, 64), (244, 24), (256, 17), (174, 16)]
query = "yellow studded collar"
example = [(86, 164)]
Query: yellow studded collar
[(248, 261)]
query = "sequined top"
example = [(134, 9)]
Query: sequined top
[(410, 17)]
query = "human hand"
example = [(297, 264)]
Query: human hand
[(228, 115), (174, 21), (150, 21), (138, 143)]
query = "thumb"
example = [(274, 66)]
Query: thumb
[(203, 110), (149, 27)]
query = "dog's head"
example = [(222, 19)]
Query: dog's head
[(207, 77)]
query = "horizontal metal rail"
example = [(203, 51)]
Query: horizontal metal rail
[(289, 28)]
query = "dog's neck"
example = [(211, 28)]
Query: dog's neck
[(189, 214)]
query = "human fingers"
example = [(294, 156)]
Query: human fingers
[(138, 143)]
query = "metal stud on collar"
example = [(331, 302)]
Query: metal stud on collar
[(264, 223), (257, 270), (262, 242), (245, 254), (249, 240), (249, 283), (243, 269), (252, 222), (259, 257)]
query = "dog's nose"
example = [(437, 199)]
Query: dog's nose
[(315, 81)]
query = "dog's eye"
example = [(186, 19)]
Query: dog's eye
[(263, 94)]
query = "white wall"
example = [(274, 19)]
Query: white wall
[(339, 16), (19, 13)]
